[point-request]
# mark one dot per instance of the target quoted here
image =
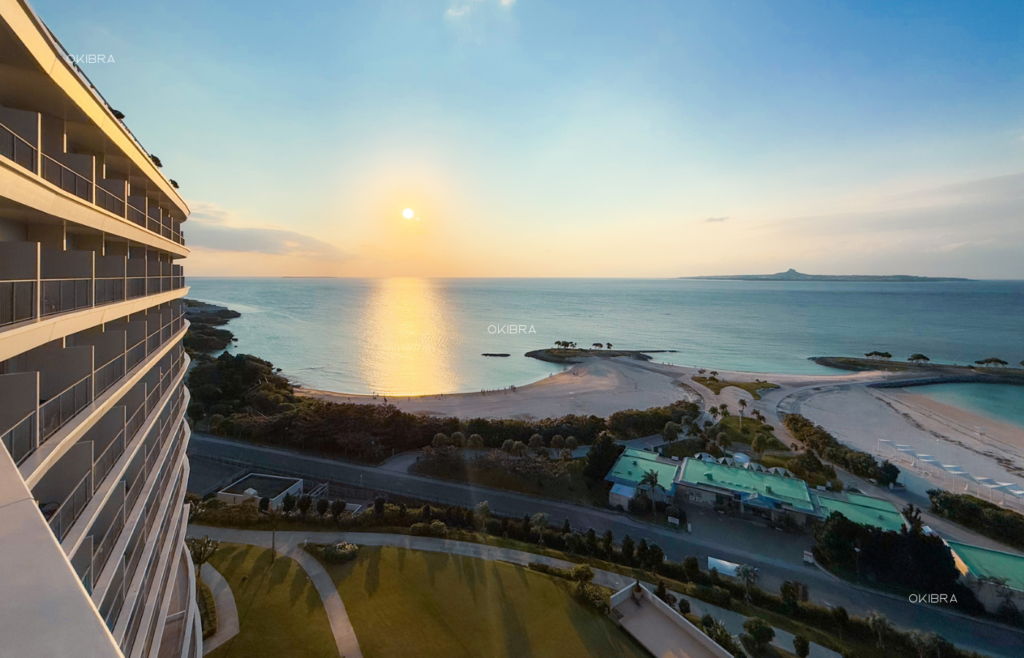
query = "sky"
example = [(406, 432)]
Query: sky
[(575, 139)]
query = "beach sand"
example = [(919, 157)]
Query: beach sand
[(860, 416)]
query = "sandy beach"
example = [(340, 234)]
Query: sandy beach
[(859, 416)]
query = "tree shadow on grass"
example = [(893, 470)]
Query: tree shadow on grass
[(371, 582), (299, 581), (517, 641), (230, 558)]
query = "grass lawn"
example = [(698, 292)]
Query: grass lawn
[(279, 610), (428, 605), (716, 385), (731, 427)]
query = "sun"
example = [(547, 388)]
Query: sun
[(408, 213)]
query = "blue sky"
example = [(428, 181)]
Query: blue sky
[(577, 139)]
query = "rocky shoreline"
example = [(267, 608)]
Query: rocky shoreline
[(203, 334)]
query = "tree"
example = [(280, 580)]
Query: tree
[(439, 441), (642, 553), (475, 441), (597, 346), (607, 543), (518, 449), (790, 596), (378, 506), (322, 505), (841, 617), (691, 566), (608, 345), (743, 405), (748, 575), (557, 442), (566, 528), (202, 550), (601, 457), (724, 410), (801, 646), (661, 591), (582, 575), (655, 557), (481, 513), (880, 626), (684, 606), (649, 479), (571, 443), (759, 444), (537, 444), (627, 549), (305, 502), (671, 431), (878, 355), (288, 504), (539, 522), (918, 358), (991, 361), (715, 413), (337, 508), (760, 632), (507, 446), (264, 504)]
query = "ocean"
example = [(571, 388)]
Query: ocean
[(1004, 404), (413, 336)]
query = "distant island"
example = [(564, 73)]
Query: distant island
[(793, 275)]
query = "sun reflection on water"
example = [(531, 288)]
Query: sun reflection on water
[(408, 342)]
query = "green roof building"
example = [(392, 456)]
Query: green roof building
[(864, 510), (630, 469), (994, 576)]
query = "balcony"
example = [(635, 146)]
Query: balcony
[(38, 282), (74, 173), (44, 389)]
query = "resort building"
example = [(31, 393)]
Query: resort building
[(712, 484), (627, 477), (256, 487), (92, 400), (996, 577)]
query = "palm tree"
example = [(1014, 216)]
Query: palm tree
[(597, 346), (880, 626), (759, 444), (743, 405), (724, 409), (608, 345), (714, 413), (650, 479), (748, 575)]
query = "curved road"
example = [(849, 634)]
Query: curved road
[(778, 555)]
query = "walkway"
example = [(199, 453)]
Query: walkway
[(227, 612), (289, 543)]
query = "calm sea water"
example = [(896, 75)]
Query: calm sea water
[(1001, 403), (412, 336)]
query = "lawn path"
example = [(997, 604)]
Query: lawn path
[(341, 627), (227, 611)]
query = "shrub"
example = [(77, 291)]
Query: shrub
[(339, 553)]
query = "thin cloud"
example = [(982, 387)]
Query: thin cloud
[(462, 8), (715, 219), (212, 227)]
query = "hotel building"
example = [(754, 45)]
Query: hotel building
[(92, 399)]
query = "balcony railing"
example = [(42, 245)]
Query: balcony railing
[(18, 297), (17, 301), (102, 550), (109, 291), (58, 410), (65, 295), (109, 373), (106, 460), (108, 201), (67, 179), (20, 440), (72, 507), (13, 147), (23, 153)]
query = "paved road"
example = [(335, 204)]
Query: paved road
[(778, 555)]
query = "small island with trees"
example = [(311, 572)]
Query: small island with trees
[(793, 275), (566, 351), (990, 369)]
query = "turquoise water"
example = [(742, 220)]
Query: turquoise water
[(412, 336), (1004, 404)]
